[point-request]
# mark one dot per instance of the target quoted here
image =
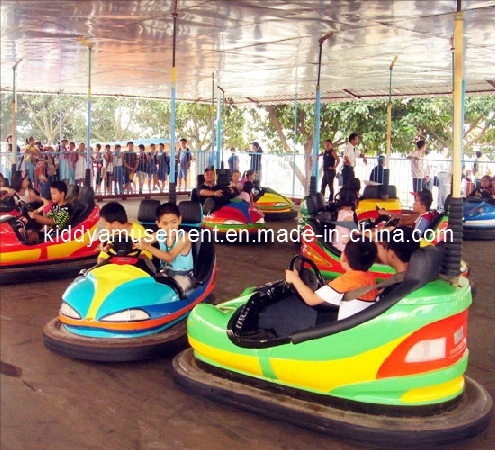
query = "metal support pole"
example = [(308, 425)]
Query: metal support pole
[(386, 172), (294, 152), (87, 178), (316, 134), (454, 247), (219, 131), (172, 184), (212, 152)]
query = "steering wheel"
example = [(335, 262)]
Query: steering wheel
[(311, 278), (123, 246)]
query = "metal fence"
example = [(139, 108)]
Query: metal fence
[(289, 173)]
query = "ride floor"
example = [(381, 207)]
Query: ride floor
[(51, 402)]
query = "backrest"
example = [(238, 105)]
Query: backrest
[(83, 205), (223, 180), (72, 194), (191, 212), (424, 267), (227, 172), (200, 179), (147, 211), (320, 200), (376, 192), (312, 204), (195, 196), (201, 240)]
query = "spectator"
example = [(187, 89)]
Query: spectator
[(330, 162), (233, 161), (443, 178), (130, 166), (378, 173), (163, 166), (417, 166), (255, 163), (350, 156), (184, 159), (118, 169)]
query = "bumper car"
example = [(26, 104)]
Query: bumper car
[(235, 219), (74, 246), (368, 204), (371, 200), (316, 242), (274, 206), (479, 219), (391, 375), (121, 310)]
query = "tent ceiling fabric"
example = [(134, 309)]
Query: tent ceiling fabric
[(260, 51)]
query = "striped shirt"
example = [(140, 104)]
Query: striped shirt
[(60, 215)]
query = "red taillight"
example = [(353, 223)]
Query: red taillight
[(435, 346)]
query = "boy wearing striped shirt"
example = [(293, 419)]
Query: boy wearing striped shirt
[(59, 215)]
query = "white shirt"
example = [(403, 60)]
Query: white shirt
[(351, 152), (417, 164)]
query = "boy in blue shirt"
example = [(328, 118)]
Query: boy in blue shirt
[(175, 252)]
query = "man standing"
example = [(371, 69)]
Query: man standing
[(378, 173), (350, 156), (330, 162), (130, 166), (163, 159), (184, 159), (255, 155), (444, 176), (417, 166), (233, 161)]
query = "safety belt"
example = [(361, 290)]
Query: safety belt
[(360, 291)]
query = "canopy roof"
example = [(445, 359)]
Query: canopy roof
[(260, 51)]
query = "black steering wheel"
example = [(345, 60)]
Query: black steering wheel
[(123, 246), (311, 277), (384, 219)]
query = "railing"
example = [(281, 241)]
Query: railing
[(286, 173)]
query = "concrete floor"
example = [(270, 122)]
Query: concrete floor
[(50, 402)]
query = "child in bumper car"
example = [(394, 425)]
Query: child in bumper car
[(358, 256), (175, 251), (115, 222)]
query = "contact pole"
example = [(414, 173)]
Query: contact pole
[(87, 179), (14, 109), (316, 134), (212, 153), (294, 151), (172, 185), (386, 172), (219, 129)]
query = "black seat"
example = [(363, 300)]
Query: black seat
[(147, 213), (320, 200), (82, 207), (7, 205), (312, 204), (371, 192), (223, 180), (202, 242)]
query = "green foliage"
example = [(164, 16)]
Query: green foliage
[(120, 118)]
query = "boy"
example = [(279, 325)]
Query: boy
[(57, 217), (114, 220), (421, 216), (175, 252), (356, 259)]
